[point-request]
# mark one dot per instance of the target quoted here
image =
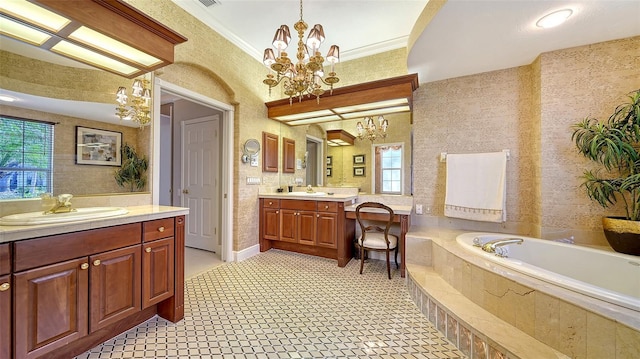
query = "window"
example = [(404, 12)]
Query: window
[(389, 169), (26, 158)]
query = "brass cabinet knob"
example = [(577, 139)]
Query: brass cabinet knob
[(96, 262), (4, 287), (270, 203), (84, 266), (317, 215), (277, 212), (148, 250), (326, 207), (160, 229)]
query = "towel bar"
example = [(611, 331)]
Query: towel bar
[(443, 155)]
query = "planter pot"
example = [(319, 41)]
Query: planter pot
[(623, 235)]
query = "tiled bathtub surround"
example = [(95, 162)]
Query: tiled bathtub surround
[(287, 305), (573, 324)]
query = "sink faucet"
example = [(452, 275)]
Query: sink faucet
[(63, 204), (495, 245), (310, 189)]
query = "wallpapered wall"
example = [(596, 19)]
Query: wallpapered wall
[(528, 110)]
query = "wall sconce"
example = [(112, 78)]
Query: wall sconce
[(110, 35)]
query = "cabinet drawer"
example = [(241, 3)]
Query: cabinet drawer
[(5, 259), (39, 252), (160, 228), (270, 203), (327, 206), (298, 204)]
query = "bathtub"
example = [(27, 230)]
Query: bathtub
[(608, 276)]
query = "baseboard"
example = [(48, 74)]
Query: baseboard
[(246, 253)]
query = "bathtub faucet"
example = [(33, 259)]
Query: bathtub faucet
[(494, 245)]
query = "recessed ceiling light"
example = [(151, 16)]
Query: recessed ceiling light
[(554, 19)]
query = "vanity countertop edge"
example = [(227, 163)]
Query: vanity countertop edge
[(136, 214), (331, 198)]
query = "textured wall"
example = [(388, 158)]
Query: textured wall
[(528, 110)]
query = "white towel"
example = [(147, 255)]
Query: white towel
[(476, 186)]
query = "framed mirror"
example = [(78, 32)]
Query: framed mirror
[(250, 151)]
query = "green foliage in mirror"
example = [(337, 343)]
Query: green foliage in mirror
[(132, 173)]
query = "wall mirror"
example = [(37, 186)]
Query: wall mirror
[(53, 89)]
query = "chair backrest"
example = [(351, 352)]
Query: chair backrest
[(364, 228)]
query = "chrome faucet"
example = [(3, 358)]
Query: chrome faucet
[(62, 205), (495, 245)]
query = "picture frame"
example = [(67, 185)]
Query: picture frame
[(359, 172), (329, 160), (98, 147), (329, 172), (358, 159)]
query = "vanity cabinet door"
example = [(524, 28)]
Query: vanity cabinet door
[(157, 271), (5, 317), (288, 225), (306, 231), (51, 306), (327, 230), (288, 155), (271, 223), (115, 286)]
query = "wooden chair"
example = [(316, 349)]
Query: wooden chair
[(375, 238)]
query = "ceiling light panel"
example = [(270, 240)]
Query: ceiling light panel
[(95, 39), (22, 32), (373, 105), (299, 116), (314, 120), (79, 53), (34, 14), (379, 111)]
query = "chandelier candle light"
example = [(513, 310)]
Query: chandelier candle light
[(370, 131), (306, 76), (137, 107)]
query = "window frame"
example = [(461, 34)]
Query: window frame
[(378, 169)]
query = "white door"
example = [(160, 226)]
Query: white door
[(200, 163)]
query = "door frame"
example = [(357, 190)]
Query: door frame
[(226, 158), (320, 160)]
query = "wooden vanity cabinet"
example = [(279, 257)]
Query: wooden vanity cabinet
[(288, 155), (73, 291), (305, 226), (269, 152), (5, 301)]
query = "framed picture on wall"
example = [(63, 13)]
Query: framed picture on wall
[(329, 160), (359, 171), (358, 159), (328, 172), (98, 147)]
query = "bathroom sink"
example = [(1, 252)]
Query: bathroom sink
[(35, 218), (307, 194)]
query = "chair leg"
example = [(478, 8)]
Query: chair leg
[(361, 258), (397, 266), (388, 265)]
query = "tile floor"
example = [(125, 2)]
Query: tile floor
[(198, 261), (287, 305)]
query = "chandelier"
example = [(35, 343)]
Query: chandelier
[(136, 107), (306, 76), (371, 131)]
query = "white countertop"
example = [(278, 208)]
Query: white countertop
[(397, 209), (136, 214), (338, 197)]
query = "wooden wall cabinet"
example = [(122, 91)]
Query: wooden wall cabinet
[(269, 152), (288, 155)]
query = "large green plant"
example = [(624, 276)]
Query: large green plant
[(615, 145), (133, 169)]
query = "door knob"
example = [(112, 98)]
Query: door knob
[(185, 191)]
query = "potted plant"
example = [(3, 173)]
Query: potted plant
[(133, 169), (615, 145)]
